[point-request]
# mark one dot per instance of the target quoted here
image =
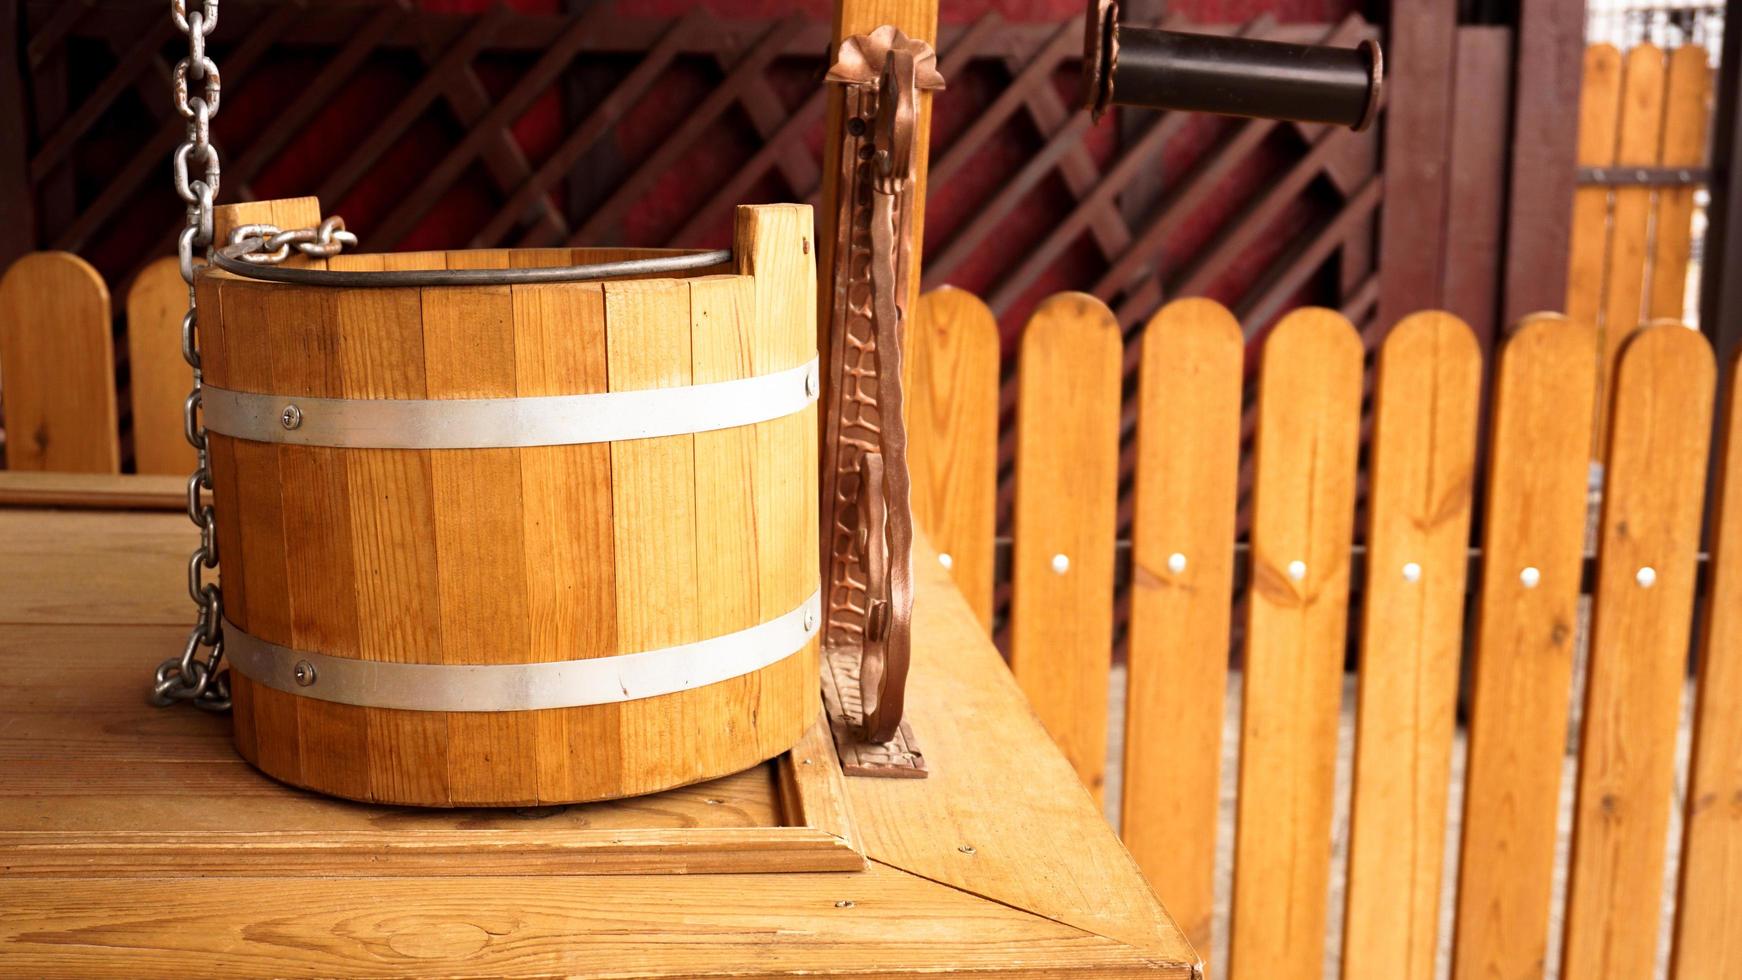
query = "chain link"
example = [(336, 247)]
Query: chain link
[(195, 174)]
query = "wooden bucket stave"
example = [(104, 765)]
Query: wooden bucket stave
[(525, 554)]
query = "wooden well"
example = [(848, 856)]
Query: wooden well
[(519, 555)]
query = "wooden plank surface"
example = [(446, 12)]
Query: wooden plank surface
[(1421, 479), (559, 348), (1309, 405), (1687, 115), (892, 924), (1533, 519), (1638, 143), (1421, 47), (157, 375), (952, 435), (393, 527), (653, 495), (1188, 459), (59, 365), (102, 491), (1642, 616), (1067, 486), (1550, 46), (469, 352), (1708, 940), (997, 865), (1588, 248)]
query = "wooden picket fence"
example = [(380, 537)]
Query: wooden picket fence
[(1414, 560), (57, 368), (1643, 119)]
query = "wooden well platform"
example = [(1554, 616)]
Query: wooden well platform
[(134, 842)]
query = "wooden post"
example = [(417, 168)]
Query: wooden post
[(18, 231), (1422, 55), (917, 19), (1721, 279), (1548, 63)]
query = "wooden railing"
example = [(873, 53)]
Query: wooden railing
[(1187, 572)]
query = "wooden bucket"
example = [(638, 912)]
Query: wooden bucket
[(523, 624)]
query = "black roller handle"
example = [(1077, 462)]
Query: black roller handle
[(1233, 76)]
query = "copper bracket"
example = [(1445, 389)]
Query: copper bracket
[(867, 520)]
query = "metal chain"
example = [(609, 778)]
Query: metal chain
[(193, 676)]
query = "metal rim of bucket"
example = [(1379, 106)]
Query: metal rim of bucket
[(229, 258)]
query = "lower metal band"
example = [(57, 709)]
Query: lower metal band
[(522, 687), (489, 423)]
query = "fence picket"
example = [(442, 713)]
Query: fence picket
[(1067, 476), (1533, 547), (1308, 439), (1182, 561), (1708, 929), (58, 362), (1687, 111), (1653, 493), (1630, 220), (952, 435), (1588, 247), (159, 377), (1423, 455)]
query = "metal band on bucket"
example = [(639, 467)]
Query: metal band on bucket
[(494, 423), (522, 687)]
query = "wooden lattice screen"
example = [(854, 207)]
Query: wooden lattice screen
[(507, 128)]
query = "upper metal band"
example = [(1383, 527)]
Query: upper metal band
[(481, 423), (522, 687)]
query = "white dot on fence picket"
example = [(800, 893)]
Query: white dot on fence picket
[(1061, 563), (1411, 572), (1530, 577), (1646, 577), (945, 560), (1297, 569), (1176, 563)]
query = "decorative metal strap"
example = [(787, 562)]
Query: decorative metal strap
[(480, 423), (867, 518), (522, 687)]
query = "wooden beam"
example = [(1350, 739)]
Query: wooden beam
[(18, 232), (1721, 278), (917, 19), (1422, 53), (1477, 183), (1548, 64)]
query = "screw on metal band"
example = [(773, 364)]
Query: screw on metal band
[(523, 686), (483, 423)]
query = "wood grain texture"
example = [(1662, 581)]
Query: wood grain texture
[(157, 375), (1588, 247), (1653, 498), (1044, 891), (1638, 143), (469, 352), (58, 362), (1309, 404), (739, 926), (1067, 486), (1533, 517), (1708, 928), (523, 554), (775, 245), (101, 491), (952, 361), (230, 821), (1421, 480), (1687, 115), (1188, 448)]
